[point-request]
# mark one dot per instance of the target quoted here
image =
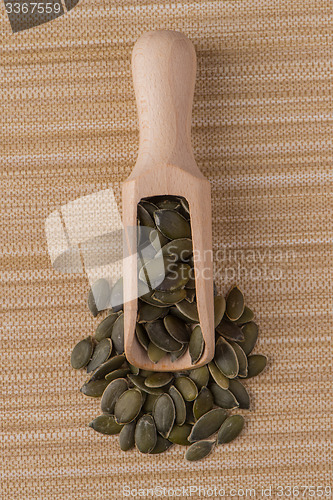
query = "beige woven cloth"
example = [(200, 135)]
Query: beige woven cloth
[(262, 134)]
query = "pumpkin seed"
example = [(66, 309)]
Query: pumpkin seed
[(164, 414), (172, 224), (149, 403), (177, 277), (149, 207), (150, 299), (189, 310), (240, 393), (134, 369), (161, 338), (203, 404), (117, 295), (126, 436), (179, 434), (142, 336), (199, 450), (115, 389), (190, 296), (176, 328), (117, 335), (186, 387), (226, 359), (256, 364), (185, 205), (145, 434), (157, 239), (223, 397), (110, 365), (230, 429), (99, 296), (94, 388), (146, 373), (218, 376), (120, 373), (180, 249), (161, 445), (219, 309), (235, 304), (190, 285), (179, 403), (200, 376), (81, 353), (106, 424), (207, 424), (101, 353), (128, 406), (154, 271), (139, 382), (148, 312), (155, 354), (242, 359), (196, 345), (169, 298), (104, 329), (169, 204), (178, 354), (144, 217), (246, 317), (250, 331), (158, 379), (230, 330)]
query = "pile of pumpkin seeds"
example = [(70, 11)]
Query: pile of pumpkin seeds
[(154, 410)]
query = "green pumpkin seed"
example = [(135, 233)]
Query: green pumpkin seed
[(199, 450), (120, 373), (145, 434), (180, 249), (161, 445), (117, 335), (178, 354), (82, 353), (218, 376), (101, 353), (240, 393), (104, 329), (149, 403), (200, 376), (149, 298), (164, 414), (128, 406), (203, 404), (190, 285), (114, 390), (226, 359), (99, 296), (230, 429), (142, 336), (176, 328), (185, 205), (169, 204), (179, 434), (188, 310), (168, 298), (229, 330), (222, 397), (256, 364), (177, 277), (219, 309), (148, 312), (149, 207), (126, 436), (172, 224), (235, 304), (117, 295), (190, 296), (146, 373), (179, 403), (94, 388), (157, 239), (139, 382), (154, 271), (242, 359), (186, 387), (246, 317), (106, 424), (144, 217), (196, 345), (155, 354), (250, 331), (110, 365), (158, 379), (208, 424), (134, 369), (161, 338)]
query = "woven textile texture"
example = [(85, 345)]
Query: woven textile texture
[(262, 134)]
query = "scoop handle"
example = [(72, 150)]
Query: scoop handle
[(164, 70)]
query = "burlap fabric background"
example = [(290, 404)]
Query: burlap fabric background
[(262, 134)]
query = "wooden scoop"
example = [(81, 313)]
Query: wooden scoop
[(164, 68)]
